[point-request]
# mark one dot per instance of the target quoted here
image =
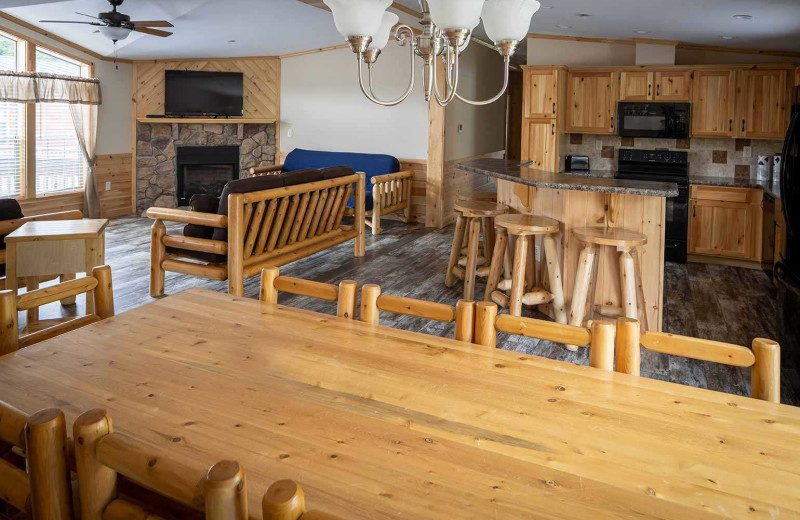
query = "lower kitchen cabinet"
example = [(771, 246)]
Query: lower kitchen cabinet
[(725, 222)]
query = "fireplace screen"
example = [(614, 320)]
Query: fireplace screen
[(205, 170)]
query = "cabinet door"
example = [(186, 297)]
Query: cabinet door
[(540, 93), (713, 94), (539, 140), (635, 86), (673, 86), (592, 100), (763, 103), (720, 228)]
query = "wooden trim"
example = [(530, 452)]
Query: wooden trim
[(717, 260), (434, 181), (190, 120), (611, 41), (314, 51)]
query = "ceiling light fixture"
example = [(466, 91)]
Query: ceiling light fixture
[(231, 41), (583, 15), (728, 37), (564, 26), (446, 30), (546, 7), (642, 32), (743, 17)]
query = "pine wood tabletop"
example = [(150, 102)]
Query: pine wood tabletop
[(378, 423)]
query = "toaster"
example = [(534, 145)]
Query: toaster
[(576, 163)]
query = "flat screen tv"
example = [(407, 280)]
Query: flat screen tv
[(195, 93)]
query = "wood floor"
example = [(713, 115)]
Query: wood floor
[(709, 301)]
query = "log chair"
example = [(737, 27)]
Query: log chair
[(285, 500), (764, 358), (390, 193), (42, 492), (101, 454), (344, 294), (99, 283), (599, 337), (372, 302)]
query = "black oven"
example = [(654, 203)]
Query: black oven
[(660, 120)]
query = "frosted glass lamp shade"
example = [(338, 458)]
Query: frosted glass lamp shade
[(357, 17), (115, 33), (455, 14), (508, 19), (381, 38)]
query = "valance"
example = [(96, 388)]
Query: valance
[(38, 87)]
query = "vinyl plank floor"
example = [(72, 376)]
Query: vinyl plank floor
[(709, 301)]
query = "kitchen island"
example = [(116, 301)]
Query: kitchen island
[(591, 198)]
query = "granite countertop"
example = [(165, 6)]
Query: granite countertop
[(602, 181), (773, 187)]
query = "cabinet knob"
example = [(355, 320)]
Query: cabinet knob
[(743, 125), (612, 122), (658, 90), (649, 90), (554, 108), (730, 125)]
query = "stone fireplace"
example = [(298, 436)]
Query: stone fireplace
[(158, 146)]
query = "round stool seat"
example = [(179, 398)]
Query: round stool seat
[(517, 224), (605, 236), (480, 208)]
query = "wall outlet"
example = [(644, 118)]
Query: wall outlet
[(747, 152), (460, 128), (598, 145), (290, 133), (108, 185)]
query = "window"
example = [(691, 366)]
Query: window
[(60, 165), (12, 124)]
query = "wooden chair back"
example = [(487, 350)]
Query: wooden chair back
[(463, 313), (764, 358), (43, 491), (599, 337), (101, 455), (344, 294), (99, 283), (284, 500)]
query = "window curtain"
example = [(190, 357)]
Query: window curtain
[(83, 96)]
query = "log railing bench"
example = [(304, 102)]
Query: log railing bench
[(270, 227)]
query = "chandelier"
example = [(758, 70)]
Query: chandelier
[(447, 27)]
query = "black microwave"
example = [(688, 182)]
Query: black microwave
[(659, 120)]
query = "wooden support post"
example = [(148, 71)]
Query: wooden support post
[(582, 277), (518, 276), (628, 351), (157, 253), (407, 185), (268, 294), (369, 303), (236, 228), (346, 304), (9, 326), (465, 320), (628, 281), (226, 492), (496, 267), (284, 500), (601, 349), (472, 257), (69, 300), (554, 278), (31, 284), (376, 208), (765, 378), (103, 292), (455, 250), (359, 203), (485, 316), (46, 448), (97, 483)]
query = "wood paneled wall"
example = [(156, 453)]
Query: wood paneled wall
[(261, 83), (458, 183), (418, 187)]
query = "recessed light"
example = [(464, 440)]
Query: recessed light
[(728, 37), (582, 15), (642, 32), (564, 26), (546, 7), (231, 41), (743, 17)]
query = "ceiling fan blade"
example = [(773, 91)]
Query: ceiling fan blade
[(154, 32), (84, 14), (156, 23), (71, 21)]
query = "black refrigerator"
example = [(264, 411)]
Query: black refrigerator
[(787, 271)]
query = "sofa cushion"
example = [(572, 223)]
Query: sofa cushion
[(301, 177), (203, 204), (250, 184)]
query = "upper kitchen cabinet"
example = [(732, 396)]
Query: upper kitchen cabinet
[(591, 101), (713, 96), (635, 85), (541, 88), (762, 103), (540, 143), (673, 86)]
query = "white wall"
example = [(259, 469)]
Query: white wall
[(544, 51), (483, 128), (323, 107), (114, 115)]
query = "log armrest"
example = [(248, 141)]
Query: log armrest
[(267, 170), (188, 217), (380, 179)]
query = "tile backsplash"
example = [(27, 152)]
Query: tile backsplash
[(707, 156)]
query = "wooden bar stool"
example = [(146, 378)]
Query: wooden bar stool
[(524, 227), (470, 213), (626, 242)]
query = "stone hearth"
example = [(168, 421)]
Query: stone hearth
[(156, 157)]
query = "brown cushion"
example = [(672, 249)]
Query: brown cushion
[(250, 184), (334, 172), (301, 177), (204, 204)]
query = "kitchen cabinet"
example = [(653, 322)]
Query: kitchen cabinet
[(725, 222), (762, 103), (713, 97), (540, 143), (591, 101), (636, 85), (541, 93), (671, 86)]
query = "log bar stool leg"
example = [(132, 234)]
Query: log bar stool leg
[(472, 258), (518, 276), (455, 251), (582, 277), (554, 277), (628, 280), (498, 262)]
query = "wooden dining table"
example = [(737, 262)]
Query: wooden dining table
[(379, 423)]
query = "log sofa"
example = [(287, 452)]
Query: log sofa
[(257, 222), (391, 188)]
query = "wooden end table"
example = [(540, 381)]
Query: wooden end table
[(54, 248)]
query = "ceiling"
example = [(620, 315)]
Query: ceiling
[(222, 28)]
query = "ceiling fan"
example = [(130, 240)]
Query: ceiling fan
[(117, 26)]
